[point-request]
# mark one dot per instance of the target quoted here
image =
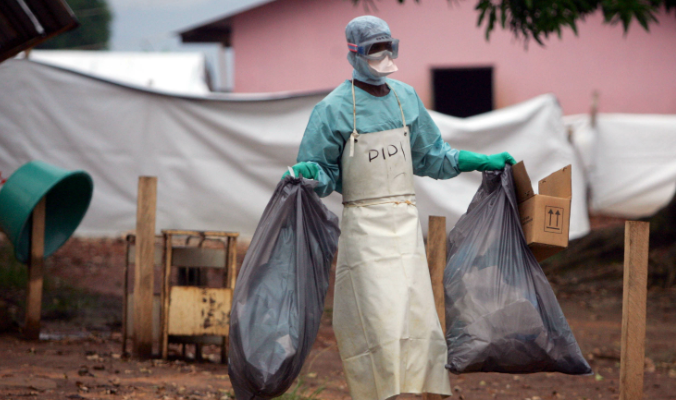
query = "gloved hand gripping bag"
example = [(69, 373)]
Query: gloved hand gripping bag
[(501, 312), (279, 296)]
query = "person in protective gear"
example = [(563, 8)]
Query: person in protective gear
[(366, 140)]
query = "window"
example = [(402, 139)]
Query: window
[(463, 92)]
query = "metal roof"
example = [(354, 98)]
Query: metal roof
[(218, 30), (27, 23)]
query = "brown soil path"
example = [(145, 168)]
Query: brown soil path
[(88, 365)]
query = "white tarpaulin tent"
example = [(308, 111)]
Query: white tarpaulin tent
[(630, 161), (178, 73), (218, 158), (532, 131)]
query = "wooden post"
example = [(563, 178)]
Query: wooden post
[(166, 292), (231, 279), (35, 272), (232, 262), (636, 235), (143, 272), (125, 299), (436, 260)]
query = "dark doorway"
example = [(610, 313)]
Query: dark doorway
[(463, 92)]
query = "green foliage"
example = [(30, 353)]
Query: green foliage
[(13, 274), (93, 32), (537, 19), (299, 392), (60, 300)]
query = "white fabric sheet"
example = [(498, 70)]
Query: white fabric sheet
[(630, 161), (179, 73), (218, 158)]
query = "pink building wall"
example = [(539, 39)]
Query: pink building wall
[(299, 45)]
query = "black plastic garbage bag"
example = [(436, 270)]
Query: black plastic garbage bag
[(501, 313), (280, 291)]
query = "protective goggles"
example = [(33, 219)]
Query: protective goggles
[(374, 49)]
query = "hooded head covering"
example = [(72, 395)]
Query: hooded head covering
[(357, 31)]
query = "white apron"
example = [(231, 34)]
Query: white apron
[(384, 317)]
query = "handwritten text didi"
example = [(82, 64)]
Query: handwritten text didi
[(387, 152)]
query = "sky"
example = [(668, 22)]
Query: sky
[(152, 25)]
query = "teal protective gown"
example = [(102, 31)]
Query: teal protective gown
[(331, 124)]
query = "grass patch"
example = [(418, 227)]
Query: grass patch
[(301, 392), (60, 300), (13, 274)]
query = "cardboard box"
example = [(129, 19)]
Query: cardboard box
[(545, 217)]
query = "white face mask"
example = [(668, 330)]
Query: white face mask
[(382, 67)]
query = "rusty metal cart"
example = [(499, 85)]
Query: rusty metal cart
[(193, 310)]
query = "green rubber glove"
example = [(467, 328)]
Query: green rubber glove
[(308, 170), (468, 161)]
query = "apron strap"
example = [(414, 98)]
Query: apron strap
[(354, 134)]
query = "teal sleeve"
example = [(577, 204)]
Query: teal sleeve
[(323, 147), (431, 155)]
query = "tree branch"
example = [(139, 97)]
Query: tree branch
[(537, 19)]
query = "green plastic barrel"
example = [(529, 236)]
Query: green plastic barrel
[(68, 194)]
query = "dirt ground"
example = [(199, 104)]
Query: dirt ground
[(80, 356)]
